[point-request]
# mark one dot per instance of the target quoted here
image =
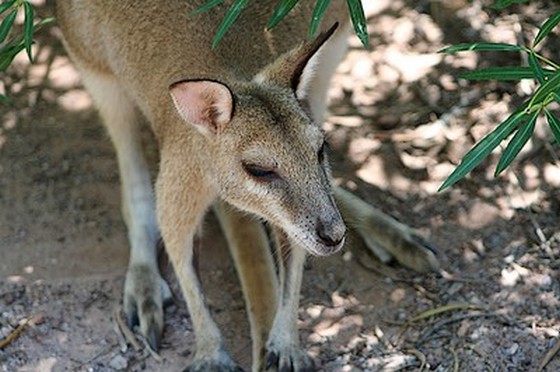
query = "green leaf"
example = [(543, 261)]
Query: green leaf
[(280, 12), (318, 12), (554, 124), (503, 73), (28, 28), (8, 55), (517, 142), (545, 29), (230, 17), (358, 20), (536, 68), (485, 146), (7, 5), (209, 5), (7, 24), (543, 91), (4, 99), (481, 46), (501, 4)]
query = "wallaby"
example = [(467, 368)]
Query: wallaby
[(238, 129)]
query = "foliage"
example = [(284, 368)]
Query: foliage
[(10, 47), (522, 121), (284, 7)]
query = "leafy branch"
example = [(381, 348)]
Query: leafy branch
[(10, 47), (521, 123), (282, 10)]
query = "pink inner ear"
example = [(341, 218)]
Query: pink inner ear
[(207, 105)]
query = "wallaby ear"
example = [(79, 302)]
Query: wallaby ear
[(205, 104), (293, 68)]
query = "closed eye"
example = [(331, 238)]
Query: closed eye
[(261, 172)]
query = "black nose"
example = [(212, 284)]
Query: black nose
[(330, 235)]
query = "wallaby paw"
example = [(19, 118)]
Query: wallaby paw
[(222, 362), (417, 253), (144, 293), (408, 248), (288, 359)]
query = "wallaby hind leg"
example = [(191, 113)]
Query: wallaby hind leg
[(384, 236), (144, 290), (250, 249)]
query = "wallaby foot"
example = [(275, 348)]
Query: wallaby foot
[(386, 237), (144, 295), (220, 362), (287, 358)]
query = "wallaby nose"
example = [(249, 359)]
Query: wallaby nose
[(331, 233)]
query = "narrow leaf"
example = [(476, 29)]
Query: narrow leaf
[(554, 124), (543, 91), (501, 4), (7, 24), (43, 22), (28, 28), (517, 142), (358, 20), (4, 99), (545, 29), (280, 12), (503, 73), (230, 17), (6, 57), (482, 46), (536, 68), (484, 147), (7, 5), (209, 5), (318, 12)]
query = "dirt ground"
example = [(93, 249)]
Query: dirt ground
[(400, 121)]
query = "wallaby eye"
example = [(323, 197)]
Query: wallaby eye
[(260, 172)]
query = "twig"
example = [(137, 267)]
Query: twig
[(420, 356), (12, 336), (128, 334), (443, 309), (455, 360), (437, 326), (102, 352), (550, 355), (120, 336), (453, 278), (152, 352)]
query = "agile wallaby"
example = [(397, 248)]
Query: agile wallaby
[(238, 129)]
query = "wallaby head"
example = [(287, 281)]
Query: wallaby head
[(268, 153)]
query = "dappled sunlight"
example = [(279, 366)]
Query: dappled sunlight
[(399, 123), (75, 100)]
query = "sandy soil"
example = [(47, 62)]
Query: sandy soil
[(400, 121)]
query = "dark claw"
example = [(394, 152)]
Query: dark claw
[(208, 367), (154, 339), (287, 367), (132, 319), (271, 360), (425, 243)]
